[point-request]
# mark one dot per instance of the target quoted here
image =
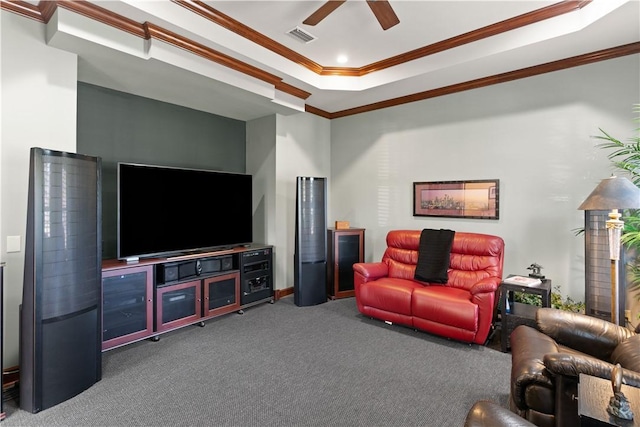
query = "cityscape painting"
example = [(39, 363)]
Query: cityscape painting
[(467, 199)]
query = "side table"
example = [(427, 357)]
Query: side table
[(593, 398), (345, 247), (514, 313)]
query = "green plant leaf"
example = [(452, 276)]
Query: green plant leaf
[(625, 156)]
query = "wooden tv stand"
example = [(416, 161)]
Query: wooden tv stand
[(144, 299)]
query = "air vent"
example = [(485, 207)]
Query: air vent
[(301, 35)]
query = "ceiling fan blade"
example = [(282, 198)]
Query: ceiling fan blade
[(384, 13), (323, 11)]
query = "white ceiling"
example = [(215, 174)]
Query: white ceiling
[(108, 58)]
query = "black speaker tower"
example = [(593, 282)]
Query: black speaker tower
[(310, 257), (61, 311)]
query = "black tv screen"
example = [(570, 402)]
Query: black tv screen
[(165, 211)]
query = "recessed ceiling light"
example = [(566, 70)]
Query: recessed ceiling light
[(342, 59)]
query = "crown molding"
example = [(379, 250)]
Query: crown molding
[(45, 9), (23, 8), (523, 20), (102, 15), (549, 67), (148, 30), (318, 112), (225, 21)]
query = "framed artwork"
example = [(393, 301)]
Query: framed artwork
[(477, 199)]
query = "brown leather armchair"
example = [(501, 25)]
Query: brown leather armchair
[(546, 363), (485, 413)]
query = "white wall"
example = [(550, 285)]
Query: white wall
[(279, 149), (38, 110), (302, 149), (532, 134), (261, 163)]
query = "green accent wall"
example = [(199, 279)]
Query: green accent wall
[(121, 127)]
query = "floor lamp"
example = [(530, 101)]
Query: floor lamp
[(613, 193)]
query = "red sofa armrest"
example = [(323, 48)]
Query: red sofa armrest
[(371, 270), (487, 285)]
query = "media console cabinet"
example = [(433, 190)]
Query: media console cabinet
[(147, 298)]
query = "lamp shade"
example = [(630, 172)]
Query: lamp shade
[(613, 193)]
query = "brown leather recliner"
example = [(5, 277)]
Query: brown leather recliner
[(485, 413), (546, 363)]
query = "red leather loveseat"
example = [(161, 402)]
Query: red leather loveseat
[(461, 309)]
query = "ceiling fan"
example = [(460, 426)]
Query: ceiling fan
[(380, 8)]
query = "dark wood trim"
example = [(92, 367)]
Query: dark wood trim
[(177, 40), (248, 33), (23, 8), (318, 112), (45, 9), (482, 33), (100, 14), (147, 30), (576, 61), (219, 18), (292, 90), (342, 71), (281, 293), (159, 33)]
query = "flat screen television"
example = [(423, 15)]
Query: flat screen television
[(169, 211)]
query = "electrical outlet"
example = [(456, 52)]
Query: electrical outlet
[(627, 315)]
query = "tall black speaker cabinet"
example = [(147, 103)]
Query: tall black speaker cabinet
[(345, 247), (310, 253), (61, 311)]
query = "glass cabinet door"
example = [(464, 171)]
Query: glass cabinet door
[(127, 305), (345, 248), (178, 305)]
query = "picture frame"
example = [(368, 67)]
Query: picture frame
[(476, 199)]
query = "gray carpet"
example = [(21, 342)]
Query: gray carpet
[(283, 365)]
